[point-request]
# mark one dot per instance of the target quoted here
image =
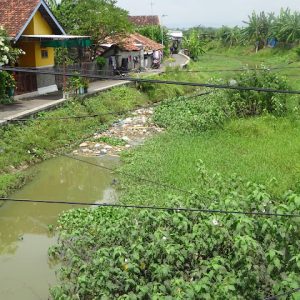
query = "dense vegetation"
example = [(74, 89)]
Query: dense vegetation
[(36, 140), (8, 55), (96, 18), (26, 143), (258, 30), (222, 150)]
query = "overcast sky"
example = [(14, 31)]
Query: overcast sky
[(188, 13)]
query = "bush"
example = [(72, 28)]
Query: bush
[(101, 62), (7, 81), (110, 253), (252, 103), (197, 114)]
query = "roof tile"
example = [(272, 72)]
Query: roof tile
[(144, 20), (15, 13), (130, 42)]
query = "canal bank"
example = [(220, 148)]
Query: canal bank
[(25, 239)]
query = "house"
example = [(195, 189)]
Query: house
[(133, 52), (140, 21), (33, 28)]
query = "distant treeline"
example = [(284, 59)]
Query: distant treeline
[(260, 30)]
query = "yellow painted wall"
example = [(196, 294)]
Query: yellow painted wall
[(27, 60), (33, 56)]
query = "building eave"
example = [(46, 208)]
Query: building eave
[(45, 6)]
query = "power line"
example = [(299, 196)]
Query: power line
[(288, 294), (234, 70), (136, 177), (158, 208), (155, 81), (96, 114)]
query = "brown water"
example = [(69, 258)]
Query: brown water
[(25, 272)]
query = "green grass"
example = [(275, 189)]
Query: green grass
[(257, 149), (37, 140), (235, 58), (113, 141)]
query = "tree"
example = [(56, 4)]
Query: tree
[(156, 33), (230, 36), (287, 26), (52, 4), (194, 45), (96, 18), (258, 29)]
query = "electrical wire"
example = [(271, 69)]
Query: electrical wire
[(136, 177), (96, 114), (158, 208), (155, 81)]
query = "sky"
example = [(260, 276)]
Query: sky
[(215, 13)]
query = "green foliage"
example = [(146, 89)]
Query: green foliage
[(113, 141), (156, 33), (140, 254), (230, 36), (287, 26), (96, 18), (8, 54), (194, 45), (36, 140), (101, 61), (191, 115), (258, 29), (7, 82), (251, 103), (160, 92), (10, 182)]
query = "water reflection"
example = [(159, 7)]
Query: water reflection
[(24, 239)]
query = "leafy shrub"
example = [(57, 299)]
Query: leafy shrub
[(197, 114), (101, 61), (7, 81), (157, 92), (140, 254), (252, 103)]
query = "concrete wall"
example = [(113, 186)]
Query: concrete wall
[(119, 55)]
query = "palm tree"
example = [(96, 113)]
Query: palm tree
[(287, 26), (258, 29)]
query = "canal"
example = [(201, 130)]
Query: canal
[(26, 272)]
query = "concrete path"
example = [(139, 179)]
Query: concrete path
[(26, 107)]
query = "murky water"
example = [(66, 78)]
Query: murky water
[(25, 272)]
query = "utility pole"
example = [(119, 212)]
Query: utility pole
[(152, 4), (162, 29)]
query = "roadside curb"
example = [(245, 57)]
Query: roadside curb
[(187, 58), (56, 103)]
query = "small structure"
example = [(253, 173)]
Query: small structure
[(134, 52), (141, 21), (176, 37), (33, 28)]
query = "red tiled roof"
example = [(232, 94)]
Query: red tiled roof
[(148, 43), (15, 13), (130, 43), (144, 20), (125, 43)]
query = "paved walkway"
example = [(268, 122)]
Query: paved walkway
[(30, 106)]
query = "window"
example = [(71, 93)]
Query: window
[(44, 53)]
